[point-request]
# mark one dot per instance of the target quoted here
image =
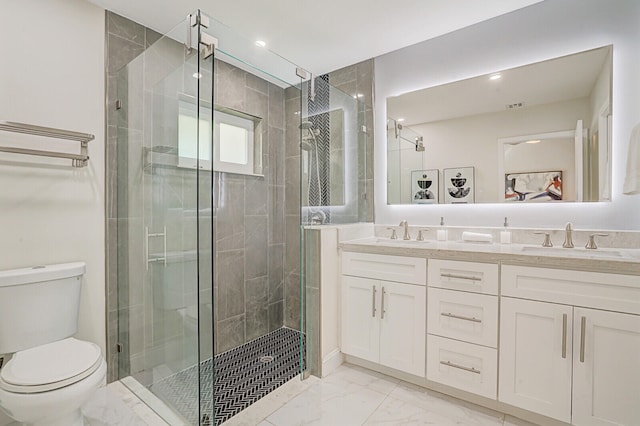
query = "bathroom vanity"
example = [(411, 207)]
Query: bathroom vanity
[(550, 336)]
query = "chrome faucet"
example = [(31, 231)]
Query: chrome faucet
[(568, 236), (406, 230)]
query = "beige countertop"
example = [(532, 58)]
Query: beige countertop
[(619, 261)]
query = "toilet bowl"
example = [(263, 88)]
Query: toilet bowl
[(47, 375)]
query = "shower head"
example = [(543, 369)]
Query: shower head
[(306, 125)]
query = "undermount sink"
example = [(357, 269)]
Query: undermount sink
[(574, 252)]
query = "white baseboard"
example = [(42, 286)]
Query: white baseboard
[(332, 361)]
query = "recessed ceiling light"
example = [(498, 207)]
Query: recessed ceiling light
[(495, 77), (357, 95), (197, 75), (261, 43), (534, 141), (400, 120)]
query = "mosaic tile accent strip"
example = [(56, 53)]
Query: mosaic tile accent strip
[(242, 377)]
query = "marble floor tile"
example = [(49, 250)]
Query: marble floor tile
[(106, 408), (448, 407), (513, 421), (395, 411), (350, 396), (329, 404)]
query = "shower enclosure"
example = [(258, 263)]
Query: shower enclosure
[(225, 151)]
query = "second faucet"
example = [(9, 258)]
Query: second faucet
[(405, 224)]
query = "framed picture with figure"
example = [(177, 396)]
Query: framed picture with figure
[(459, 185), (424, 186), (533, 187)]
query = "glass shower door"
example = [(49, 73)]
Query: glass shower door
[(165, 223)]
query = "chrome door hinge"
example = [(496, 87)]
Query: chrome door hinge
[(118, 104), (119, 347), (209, 44)]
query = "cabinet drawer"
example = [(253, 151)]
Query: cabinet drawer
[(412, 270), (613, 292), (466, 276), (463, 316), (461, 365)]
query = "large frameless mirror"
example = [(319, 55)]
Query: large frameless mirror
[(535, 133)]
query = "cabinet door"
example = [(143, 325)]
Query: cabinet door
[(535, 357), (606, 368), (403, 327), (360, 318)]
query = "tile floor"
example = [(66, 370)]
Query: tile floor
[(349, 396)]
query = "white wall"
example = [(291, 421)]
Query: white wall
[(52, 74), (473, 141), (539, 32)]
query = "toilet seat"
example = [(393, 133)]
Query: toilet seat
[(51, 366)]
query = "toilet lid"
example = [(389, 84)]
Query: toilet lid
[(50, 366)]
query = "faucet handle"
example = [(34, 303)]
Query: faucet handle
[(394, 235), (547, 239), (420, 237), (591, 244)]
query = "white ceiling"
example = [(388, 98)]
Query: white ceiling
[(323, 36), (561, 79)]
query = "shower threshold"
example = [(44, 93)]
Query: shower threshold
[(243, 375)]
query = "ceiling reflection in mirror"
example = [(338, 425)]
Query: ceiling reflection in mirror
[(536, 133)]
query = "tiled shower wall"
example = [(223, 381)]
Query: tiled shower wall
[(250, 218), (125, 40), (355, 80), (249, 223), (352, 80)]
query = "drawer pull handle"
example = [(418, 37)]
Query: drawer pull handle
[(469, 369), (462, 277), (382, 311), (450, 315), (373, 303), (583, 329), (564, 335)]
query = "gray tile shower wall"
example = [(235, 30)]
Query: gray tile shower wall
[(125, 40), (359, 79), (249, 217)]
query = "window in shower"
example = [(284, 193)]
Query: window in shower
[(189, 126), (239, 147)]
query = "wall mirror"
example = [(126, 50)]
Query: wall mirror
[(535, 133)]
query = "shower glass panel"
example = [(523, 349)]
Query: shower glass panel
[(165, 248), (208, 224), (333, 187), (333, 156)]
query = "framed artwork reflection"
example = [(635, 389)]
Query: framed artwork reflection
[(459, 185), (532, 187), (424, 186)]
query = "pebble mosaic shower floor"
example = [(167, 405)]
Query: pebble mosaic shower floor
[(242, 377)]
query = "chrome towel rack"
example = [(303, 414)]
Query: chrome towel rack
[(78, 160)]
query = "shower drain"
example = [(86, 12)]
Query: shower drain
[(266, 359)]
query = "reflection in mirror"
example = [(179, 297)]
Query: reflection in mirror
[(543, 127)]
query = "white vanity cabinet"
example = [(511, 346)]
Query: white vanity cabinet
[(462, 325), (571, 361), (383, 321)]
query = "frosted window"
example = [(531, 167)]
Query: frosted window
[(234, 144), (188, 132)]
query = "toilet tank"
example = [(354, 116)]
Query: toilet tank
[(39, 305)]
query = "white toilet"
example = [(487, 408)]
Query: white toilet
[(46, 375)]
